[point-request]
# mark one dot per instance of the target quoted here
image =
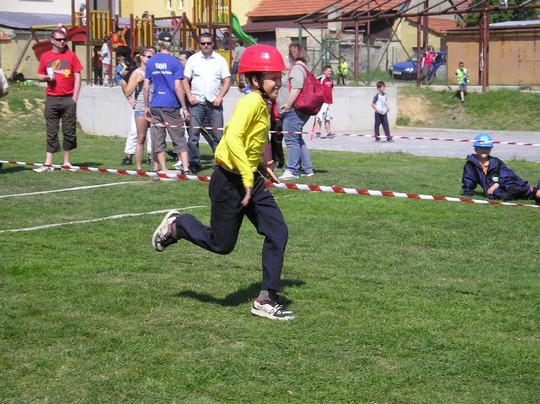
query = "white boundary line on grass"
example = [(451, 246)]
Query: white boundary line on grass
[(120, 216), (70, 189)]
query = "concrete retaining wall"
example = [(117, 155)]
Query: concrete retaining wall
[(104, 110)]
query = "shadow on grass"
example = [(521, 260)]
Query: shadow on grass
[(237, 298), (9, 169)]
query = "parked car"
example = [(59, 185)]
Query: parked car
[(407, 70)]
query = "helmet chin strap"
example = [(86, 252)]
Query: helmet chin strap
[(261, 88)]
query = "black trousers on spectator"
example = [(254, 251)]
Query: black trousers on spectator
[(226, 192)]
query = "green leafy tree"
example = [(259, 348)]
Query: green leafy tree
[(499, 14)]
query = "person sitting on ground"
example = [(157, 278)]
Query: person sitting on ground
[(493, 176)]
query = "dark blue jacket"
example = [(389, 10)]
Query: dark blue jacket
[(511, 186)]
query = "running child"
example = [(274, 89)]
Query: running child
[(237, 187)]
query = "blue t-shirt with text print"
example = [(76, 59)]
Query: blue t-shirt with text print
[(162, 70)]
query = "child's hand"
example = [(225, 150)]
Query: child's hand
[(492, 188), (247, 197)]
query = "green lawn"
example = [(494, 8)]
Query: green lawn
[(396, 300)]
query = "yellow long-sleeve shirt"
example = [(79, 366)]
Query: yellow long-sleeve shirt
[(240, 149)]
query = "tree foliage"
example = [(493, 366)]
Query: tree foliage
[(499, 13)]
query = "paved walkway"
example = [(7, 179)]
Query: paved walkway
[(434, 147)]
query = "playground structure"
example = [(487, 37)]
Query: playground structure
[(89, 28)]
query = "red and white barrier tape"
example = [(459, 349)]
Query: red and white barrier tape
[(297, 187), (312, 133)]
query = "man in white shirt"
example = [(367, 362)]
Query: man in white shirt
[(208, 80)]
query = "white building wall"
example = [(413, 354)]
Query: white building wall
[(99, 109)]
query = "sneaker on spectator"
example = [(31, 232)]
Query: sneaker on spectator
[(377, 139), (127, 161), (165, 234), (287, 175), (271, 309), (389, 140), (44, 168), (311, 174), (178, 166)]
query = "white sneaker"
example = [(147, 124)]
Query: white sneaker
[(287, 175), (311, 174), (271, 309), (43, 168), (178, 166), (163, 236)]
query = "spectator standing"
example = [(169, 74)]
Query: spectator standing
[(119, 44), (97, 66), (462, 77), (4, 88), (237, 187), (106, 61), (183, 57), (343, 70), (133, 90), (121, 70), (82, 11), (208, 80), (325, 115), (380, 105), (276, 136), (4, 85), (175, 23), (493, 176), (238, 51), (165, 72), (428, 69), (298, 159), (61, 69)]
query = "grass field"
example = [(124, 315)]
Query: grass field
[(396, 300)]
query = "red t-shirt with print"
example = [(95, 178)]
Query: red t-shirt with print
[(64, 65)]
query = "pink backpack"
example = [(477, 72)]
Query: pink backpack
[(311, 98)]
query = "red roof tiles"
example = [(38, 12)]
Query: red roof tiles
[(288, 8)]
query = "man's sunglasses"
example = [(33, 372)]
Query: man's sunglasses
[(60, 39), (206, 43)]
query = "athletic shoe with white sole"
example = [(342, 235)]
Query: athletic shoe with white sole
[(178, 166), (164, 235), (311, 174), (44, 168), (287, 175), (271, 309)]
